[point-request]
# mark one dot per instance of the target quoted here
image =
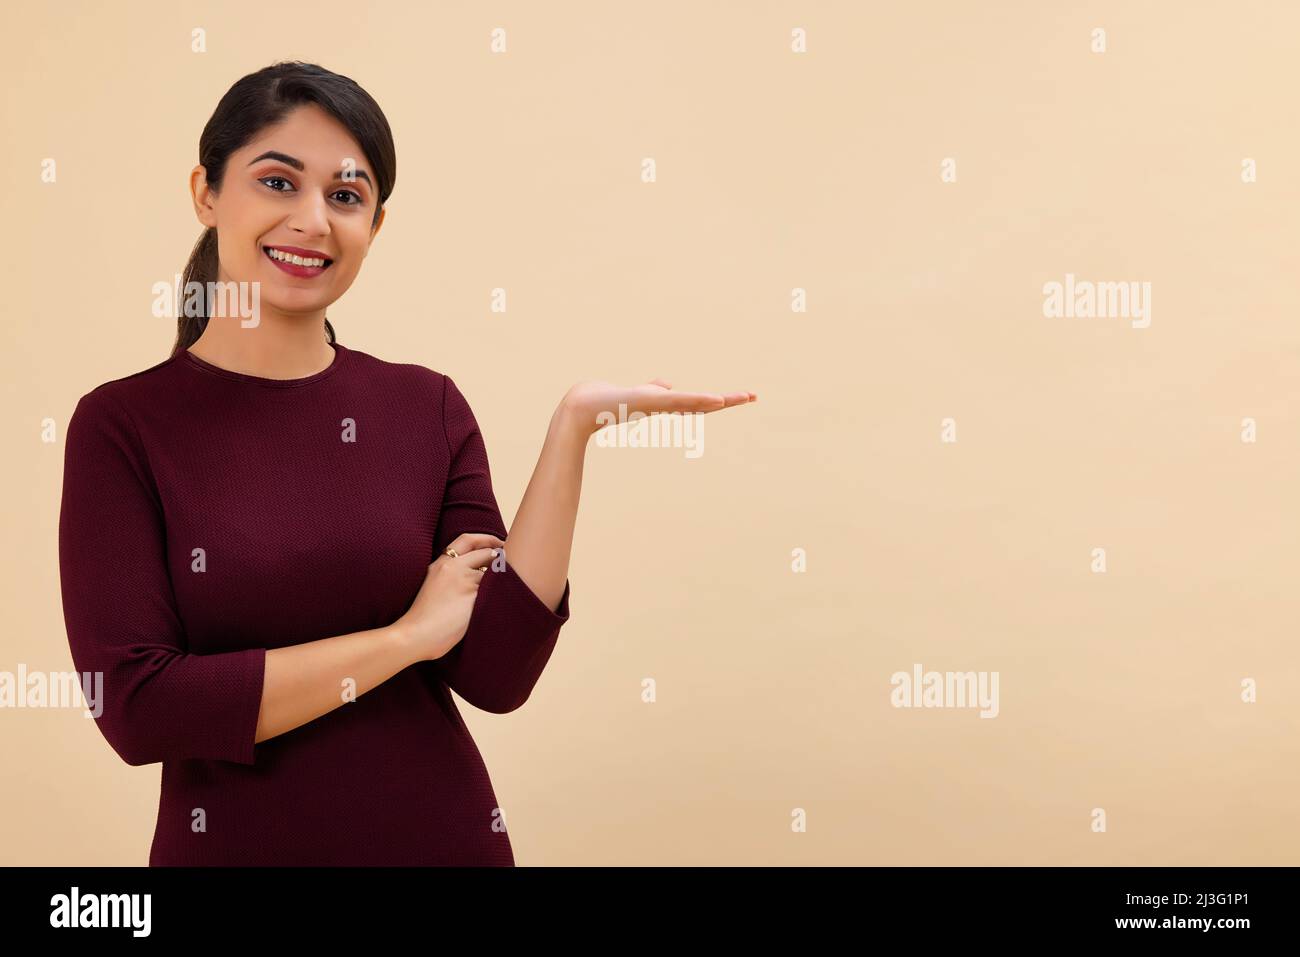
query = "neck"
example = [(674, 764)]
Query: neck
[(276, 348)]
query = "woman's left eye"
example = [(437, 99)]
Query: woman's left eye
[(348, 192)]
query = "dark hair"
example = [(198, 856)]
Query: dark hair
[(263, 99)]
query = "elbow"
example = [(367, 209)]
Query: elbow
[(496, 700), (137, 759), (513, 704), (131, 746), (494, 697), (137, 742)]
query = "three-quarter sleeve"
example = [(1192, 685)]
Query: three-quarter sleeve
[(158, 701), (511, 632)]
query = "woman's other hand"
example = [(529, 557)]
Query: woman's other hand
[(439, 616)]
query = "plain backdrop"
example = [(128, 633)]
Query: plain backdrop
[(775, 171)]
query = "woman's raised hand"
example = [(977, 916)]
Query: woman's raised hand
[(586, 402)]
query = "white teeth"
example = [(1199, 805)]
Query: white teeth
[(290, 258)]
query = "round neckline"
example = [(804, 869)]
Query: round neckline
[(340, 354)]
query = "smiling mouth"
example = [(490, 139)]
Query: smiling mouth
[(297, 265)]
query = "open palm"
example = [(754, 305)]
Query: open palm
[(586, 401)]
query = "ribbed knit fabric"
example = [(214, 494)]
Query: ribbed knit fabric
[(209, 516)]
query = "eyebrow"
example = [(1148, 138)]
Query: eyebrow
[(300, 166)]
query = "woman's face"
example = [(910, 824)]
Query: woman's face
[(315, 197)]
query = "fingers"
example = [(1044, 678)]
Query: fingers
[(472, 540), (478, 558), (471, 548), (739, 398), (694, 401)]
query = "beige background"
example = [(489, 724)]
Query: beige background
[(776, 171)]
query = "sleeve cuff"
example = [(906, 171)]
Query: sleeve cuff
[(254, 673), (523, 600)]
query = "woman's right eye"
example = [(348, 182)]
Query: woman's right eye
[(267, 179)]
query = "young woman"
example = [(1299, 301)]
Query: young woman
[(281, 552)]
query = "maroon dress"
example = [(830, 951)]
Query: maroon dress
[(209, 516)]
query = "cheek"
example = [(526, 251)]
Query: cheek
[(236, 256), (354, 255), (344, 274), (238, 238)]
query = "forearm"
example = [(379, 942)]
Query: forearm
[(541, 539), (303, 682)]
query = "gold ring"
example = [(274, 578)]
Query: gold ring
[(452, 552)]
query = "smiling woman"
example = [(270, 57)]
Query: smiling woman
[(284, 554), (252, 533), (295, 166)]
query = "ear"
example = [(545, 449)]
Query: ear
[(375, 229), (202, 195)]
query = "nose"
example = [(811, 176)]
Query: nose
[(310, 214)]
